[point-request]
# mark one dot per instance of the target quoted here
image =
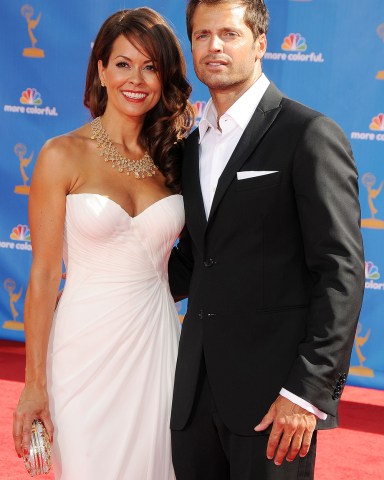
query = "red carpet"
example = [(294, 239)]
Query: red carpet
[(355, 451)]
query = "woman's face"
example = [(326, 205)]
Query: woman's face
[(131, 79)]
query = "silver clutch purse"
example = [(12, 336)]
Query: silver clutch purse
[(38, 461)]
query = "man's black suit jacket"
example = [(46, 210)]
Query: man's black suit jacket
[(275, 277)]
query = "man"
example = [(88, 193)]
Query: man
[(271, 259)]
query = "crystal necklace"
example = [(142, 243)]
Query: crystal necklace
[(144, 167)]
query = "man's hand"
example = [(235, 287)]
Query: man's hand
[(292, 430)]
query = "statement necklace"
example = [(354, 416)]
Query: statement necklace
[(144, 167)]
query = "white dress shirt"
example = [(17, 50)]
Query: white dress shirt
[(216, 148)]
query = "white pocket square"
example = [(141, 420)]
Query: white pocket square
[(253, 173)]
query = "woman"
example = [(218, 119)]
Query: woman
[(100, 374)]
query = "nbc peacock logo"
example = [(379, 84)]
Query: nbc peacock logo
[(377, 122), (293, 47), (198, 108), (21, 232), (372, 274), (294, 42), (31, 96), (371, 271), (30, 103), (21, 239), (377, 130)]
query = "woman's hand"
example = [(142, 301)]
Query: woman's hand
[(33, 403), (47, 200)]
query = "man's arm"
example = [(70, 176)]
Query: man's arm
[(326, 190), (180, 267), (303, 403)]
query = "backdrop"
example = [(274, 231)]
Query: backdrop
[(327, 54)]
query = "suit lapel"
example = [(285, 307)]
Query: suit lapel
[(193, 199), (262, 119)]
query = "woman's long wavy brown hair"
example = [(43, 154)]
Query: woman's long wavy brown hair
[(168, 123)]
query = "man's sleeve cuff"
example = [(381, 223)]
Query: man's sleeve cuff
[(303, 403)]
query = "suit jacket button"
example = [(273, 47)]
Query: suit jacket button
[(209, 263)]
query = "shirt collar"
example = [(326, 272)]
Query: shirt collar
[(241, 111), (208, 120)]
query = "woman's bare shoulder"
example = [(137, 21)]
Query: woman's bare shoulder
[(62, 157), (67, 148), (72, 141)]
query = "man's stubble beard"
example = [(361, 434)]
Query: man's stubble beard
[(214, 82)]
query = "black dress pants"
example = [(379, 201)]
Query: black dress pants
[(206, 450)]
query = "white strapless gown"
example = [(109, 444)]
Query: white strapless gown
[(113, 344)]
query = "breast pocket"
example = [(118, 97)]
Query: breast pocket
[(260, 182)]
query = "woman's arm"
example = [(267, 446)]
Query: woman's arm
[(49, 186)]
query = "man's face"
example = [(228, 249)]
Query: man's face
[(225, 55)]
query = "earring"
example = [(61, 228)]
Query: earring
[(102, 83)]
